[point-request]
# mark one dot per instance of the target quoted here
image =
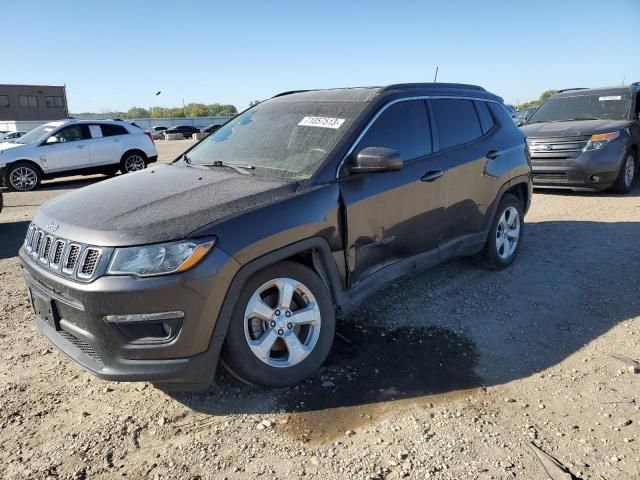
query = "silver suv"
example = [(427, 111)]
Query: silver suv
[(74, 147)]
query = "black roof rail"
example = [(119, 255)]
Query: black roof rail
[(290, 92), (635, 84), (572, 89), (435, 85)]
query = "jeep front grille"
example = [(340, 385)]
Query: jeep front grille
[(69, 259)]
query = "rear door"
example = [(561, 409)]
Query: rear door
[(108, 143), (71, 150), (394, 216), (465, 130)]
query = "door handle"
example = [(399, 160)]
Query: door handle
[(432, 175), (492, 154)]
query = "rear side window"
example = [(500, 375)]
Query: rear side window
[(403, 127), (486, 120), (457, 122), (109, 130)]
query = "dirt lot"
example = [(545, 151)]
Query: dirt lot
[(451, 374)]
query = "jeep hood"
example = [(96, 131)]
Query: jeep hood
[(165, 203), (574, 128)]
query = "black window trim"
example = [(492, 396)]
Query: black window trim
[(405, 99), (429, 123)]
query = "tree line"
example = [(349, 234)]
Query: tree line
[(189, 110), (536, 103)]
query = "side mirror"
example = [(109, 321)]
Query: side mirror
[(376, 160), (52, 139)]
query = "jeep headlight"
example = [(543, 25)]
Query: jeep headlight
[(159, 258), (596, 142)]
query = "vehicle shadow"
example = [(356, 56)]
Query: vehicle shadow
[(635, 192), (11, 238), (458, 326), (71, 183)]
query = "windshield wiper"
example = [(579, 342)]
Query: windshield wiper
[(243, 169)]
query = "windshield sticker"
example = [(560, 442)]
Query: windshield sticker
[(324, 122), (609, 98)]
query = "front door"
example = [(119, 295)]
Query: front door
[(69, 149), (394, 216)]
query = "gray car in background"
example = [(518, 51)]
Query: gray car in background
[(586, 139)]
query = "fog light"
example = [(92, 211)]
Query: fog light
[(594, 178), (144, 317)]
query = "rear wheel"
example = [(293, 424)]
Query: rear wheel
[(505, 235), (626, 177), (282, 327), (23, 177), (132, 162)]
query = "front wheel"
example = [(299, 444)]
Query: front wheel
[(627, 175), (132, 162), (505, 234), (23, 177), (282, 327)]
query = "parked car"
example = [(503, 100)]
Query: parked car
[(186, 130), (74, 147), (586, 139), (210, 129), (523, 115), (7, 137), (157, 132), (290, 215)]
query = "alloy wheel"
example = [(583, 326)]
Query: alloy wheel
[(629, 171), (508, 233), (23, 179), (134, 163), (282, 322)]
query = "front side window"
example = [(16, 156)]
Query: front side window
[(457, 122), (402, 127), (28, 101), (282, 137), (73, 133), (600, 106), (4, 101), (53, 102)]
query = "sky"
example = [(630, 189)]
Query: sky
[(117, 54)]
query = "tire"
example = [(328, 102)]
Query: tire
[(133, 161), (500, 251), (275, 364), (23, 177), (627, 175)]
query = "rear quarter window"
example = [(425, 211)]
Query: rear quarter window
[(486, 119)]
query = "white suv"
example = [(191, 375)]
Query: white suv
[(74, 147)]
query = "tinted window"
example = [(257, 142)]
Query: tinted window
[(73, 133), (485, 116), (4, 100), (402, 127), (457, 122), (109, 130)]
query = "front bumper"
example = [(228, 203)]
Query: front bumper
[(594, 170), (72, 317)]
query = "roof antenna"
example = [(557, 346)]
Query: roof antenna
[(623, 79), (435, 77)]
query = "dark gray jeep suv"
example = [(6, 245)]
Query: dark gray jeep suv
[(250, 245), (586, 139)]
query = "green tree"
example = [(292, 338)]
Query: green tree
[(176, 112), (536, 103), (196, 110), (254, 102), (137, 112)]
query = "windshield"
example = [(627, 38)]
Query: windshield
[(584, 107), (36, 134), (279, 137)]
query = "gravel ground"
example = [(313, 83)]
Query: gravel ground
[(455, 373)]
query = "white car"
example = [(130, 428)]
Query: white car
[(8, 136), (74, 147)]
